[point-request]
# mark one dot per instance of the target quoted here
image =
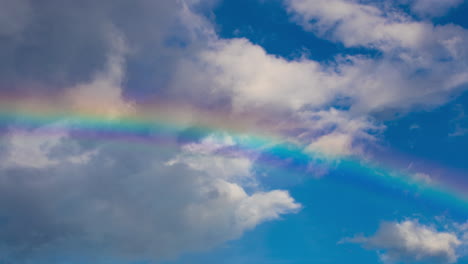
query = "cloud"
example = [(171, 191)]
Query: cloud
[(334, 144), (36, 148), (296, 96), (103, 95), (357, 24), (14, 16), (124, 201), (108, 200), (412, 52), (207, 155), (433, 8), (62, 43), (409, 241), (105, 199)]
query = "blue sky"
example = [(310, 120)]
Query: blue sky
[(234, 131)]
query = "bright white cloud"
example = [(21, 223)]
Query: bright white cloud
[(207, 156), (409, 241), (334, 144)]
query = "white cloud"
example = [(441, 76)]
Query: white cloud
[(35, 148), (421, 63), (357, 24), (125, 195), (207, 156), (334, 144), (233, 211), (409, 241), (255, 79), (147, 202), (295, 94)]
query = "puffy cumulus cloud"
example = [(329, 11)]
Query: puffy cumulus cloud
[(298, 96), (334, 144), (409, 241), (255, 78), (421, 65), (109, 200), (94, 200), (235, 75), (217, 155)]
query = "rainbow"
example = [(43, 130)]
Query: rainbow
[(158, 124)]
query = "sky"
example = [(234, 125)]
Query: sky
[(233, 131)]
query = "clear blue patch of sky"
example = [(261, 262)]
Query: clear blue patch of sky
[(439, 135)]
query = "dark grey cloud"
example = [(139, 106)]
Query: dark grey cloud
[(50, 45)]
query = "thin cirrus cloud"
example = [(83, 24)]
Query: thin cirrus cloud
[(431, 8)]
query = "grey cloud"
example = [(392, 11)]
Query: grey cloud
[(103, 200), (61, 43), (125, 202), (15, 15), (124, 199)]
